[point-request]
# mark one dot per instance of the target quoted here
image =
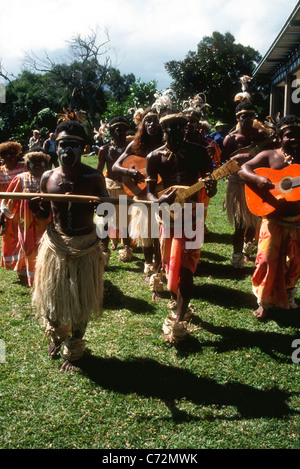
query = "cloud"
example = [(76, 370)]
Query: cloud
[(144, 35)]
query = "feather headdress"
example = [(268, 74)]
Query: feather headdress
[(243, 95), (137, 114), (244, 81), (197, 105), (71, 115), (164, 101), (101, 131)]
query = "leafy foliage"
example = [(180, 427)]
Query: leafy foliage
[(215, 69), (90, 83), (141, 95)]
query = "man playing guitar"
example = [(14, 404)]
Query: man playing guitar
[(241, 144), (177, 163), (278, 257)]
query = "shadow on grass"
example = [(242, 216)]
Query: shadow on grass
[(286, 318), (278, 346), (205, 269), (231, 298), (212, 256), (218, 238), (136, 265), (224, 296), (149, 378), (114, 298)]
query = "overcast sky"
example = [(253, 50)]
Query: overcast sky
[(143, 34)]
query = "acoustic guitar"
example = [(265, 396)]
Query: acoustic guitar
[(183, 193), (131, 187), (287, 186)]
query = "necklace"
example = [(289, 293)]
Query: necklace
[(68, 186), (117, 147), (173, 155), (289, 159)]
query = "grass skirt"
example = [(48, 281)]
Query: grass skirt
[(68, 287), (237, 208)]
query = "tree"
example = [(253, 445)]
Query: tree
[(86, 82), (141, 95), (26, 97), (215, 70), (81, 81)]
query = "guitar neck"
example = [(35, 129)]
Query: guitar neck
[(295, 182), (223, 171), (182, 196)]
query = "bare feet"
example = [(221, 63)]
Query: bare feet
[(261, 313), (155, 296), (68, 366), (248, 260), (53, 349)]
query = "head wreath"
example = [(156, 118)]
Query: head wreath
[(34, 155), (173, 117), (14, 147)]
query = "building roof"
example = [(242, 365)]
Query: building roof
[(286, 43)]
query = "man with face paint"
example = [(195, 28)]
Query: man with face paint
[(29, 228), (245, 223), (278, 257), (178, 163), (68, 279)]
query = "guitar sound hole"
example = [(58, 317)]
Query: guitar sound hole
[(286, 184)]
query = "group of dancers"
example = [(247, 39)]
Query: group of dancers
[(51, 239)]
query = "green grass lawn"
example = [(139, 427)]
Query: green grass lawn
[(232, 385)]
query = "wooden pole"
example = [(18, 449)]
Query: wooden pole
[(62, 197)]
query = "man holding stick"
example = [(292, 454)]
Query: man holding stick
[(69, 266)]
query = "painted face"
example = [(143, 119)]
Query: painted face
[(37, 167), (69, 151), (290, 141)]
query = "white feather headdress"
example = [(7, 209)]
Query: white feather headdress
[(164, 101)]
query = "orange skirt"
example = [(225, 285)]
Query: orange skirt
[(277, 263)]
